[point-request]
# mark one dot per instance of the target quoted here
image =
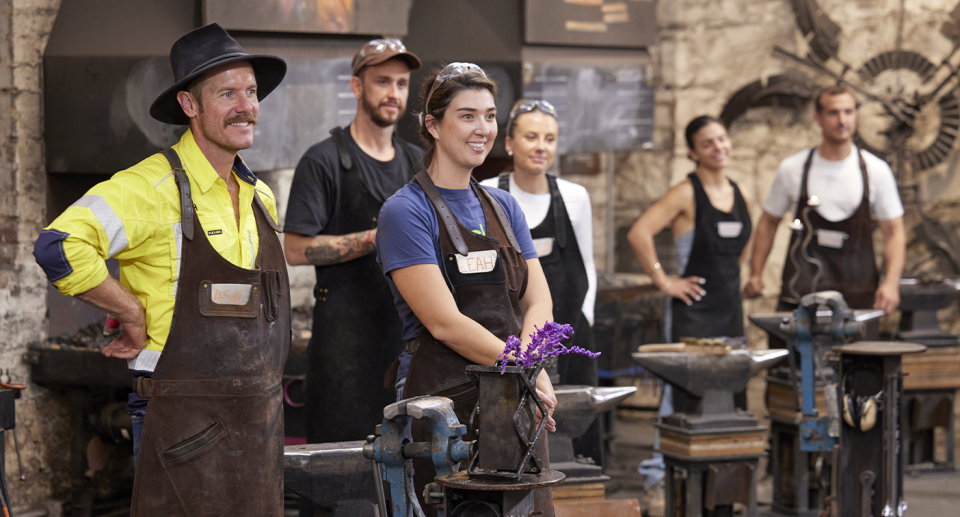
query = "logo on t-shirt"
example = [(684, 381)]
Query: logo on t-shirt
[(214, 232), (480, 231)]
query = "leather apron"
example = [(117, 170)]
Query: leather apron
[(567, 277), (715, 257), (850, 268), (212, 440), (492, 299), (357, 332)]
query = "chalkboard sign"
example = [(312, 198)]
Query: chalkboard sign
[(607, 107)]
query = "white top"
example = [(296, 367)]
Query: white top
[(838, 185), (577, 202)]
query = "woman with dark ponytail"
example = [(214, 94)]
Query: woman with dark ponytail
[(710, 219), (459, 258)]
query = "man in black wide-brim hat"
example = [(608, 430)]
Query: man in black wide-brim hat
[(203, 294)]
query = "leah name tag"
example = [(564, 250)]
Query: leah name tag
[(831, 238), (477, 262), (230, 294), (729, 229), (543, 246)]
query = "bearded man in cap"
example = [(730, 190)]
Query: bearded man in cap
[(331, 222), (203, 295)]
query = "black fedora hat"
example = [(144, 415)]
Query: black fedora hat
[(204, 49)]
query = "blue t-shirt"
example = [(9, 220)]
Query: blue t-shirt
[(408, 233)]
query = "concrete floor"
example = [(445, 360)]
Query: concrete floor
[(929, 495)]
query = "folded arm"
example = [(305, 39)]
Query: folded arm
[(326, 250)]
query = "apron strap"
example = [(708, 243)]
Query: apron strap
[(497, 209), (449, 221), (556, 202), (866, 178), (802, 200), (503, 181), (265, 213), (346, 161), (414, 166), (183, 184)]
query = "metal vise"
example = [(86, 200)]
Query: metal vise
[(394, 447), (819, 433)]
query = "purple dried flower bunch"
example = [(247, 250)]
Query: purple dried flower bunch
[(544, 343)]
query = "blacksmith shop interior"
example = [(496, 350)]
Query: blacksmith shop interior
[(512, 258)]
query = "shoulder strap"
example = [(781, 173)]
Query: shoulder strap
[(556, 202), (503, 181), (407, 147), (449, 221), (802, 200), (866, 177), (183, 185), (497, 209), (340, 141), (265, 213)]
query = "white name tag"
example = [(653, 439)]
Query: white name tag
[(543, 246), (230, 294), (729, 229), (477, 262), (831, 238)]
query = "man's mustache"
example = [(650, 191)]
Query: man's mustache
[(239, 119)]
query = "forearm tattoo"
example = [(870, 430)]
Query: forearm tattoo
[(327, 250)]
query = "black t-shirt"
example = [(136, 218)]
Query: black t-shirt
[(316, 182)]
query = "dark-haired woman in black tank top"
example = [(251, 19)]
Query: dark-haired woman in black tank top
[(710, 219)]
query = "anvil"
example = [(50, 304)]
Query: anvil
[(334, 476), (577, 408), (710, 381)]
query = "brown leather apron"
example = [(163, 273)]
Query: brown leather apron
[(212, 441), (491, 299), (850, 268)]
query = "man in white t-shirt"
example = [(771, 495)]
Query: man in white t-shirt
[(831, 179)]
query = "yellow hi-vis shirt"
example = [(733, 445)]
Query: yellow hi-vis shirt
[(135, 218)]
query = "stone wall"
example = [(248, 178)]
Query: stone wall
[(42, 427), (707, 51)]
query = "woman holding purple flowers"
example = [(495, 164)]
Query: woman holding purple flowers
[(459, 258)]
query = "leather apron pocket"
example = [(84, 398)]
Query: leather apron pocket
[(231, 300), (204, 470)]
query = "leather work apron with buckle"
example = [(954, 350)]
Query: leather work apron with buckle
[(212, 441), (491, 297), (845, 248)]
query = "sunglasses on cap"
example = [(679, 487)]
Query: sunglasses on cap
[(529, 106), (451, 70), (377, 46)]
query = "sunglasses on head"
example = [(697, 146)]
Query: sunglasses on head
[(380, 45), (451, 70), (529, 106)]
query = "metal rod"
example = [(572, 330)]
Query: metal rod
[(378, 486), (16, 447)]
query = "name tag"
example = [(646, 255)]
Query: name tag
[(230, 294), (729, 229), (543, 246), (477, 262), (831, 238)]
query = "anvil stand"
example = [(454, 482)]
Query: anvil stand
[(871, 483), (801, 468), (933, 378), (716, 445)]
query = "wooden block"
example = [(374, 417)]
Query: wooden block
[(584, 492), (683, 348), (705, 446), (606, 508)]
